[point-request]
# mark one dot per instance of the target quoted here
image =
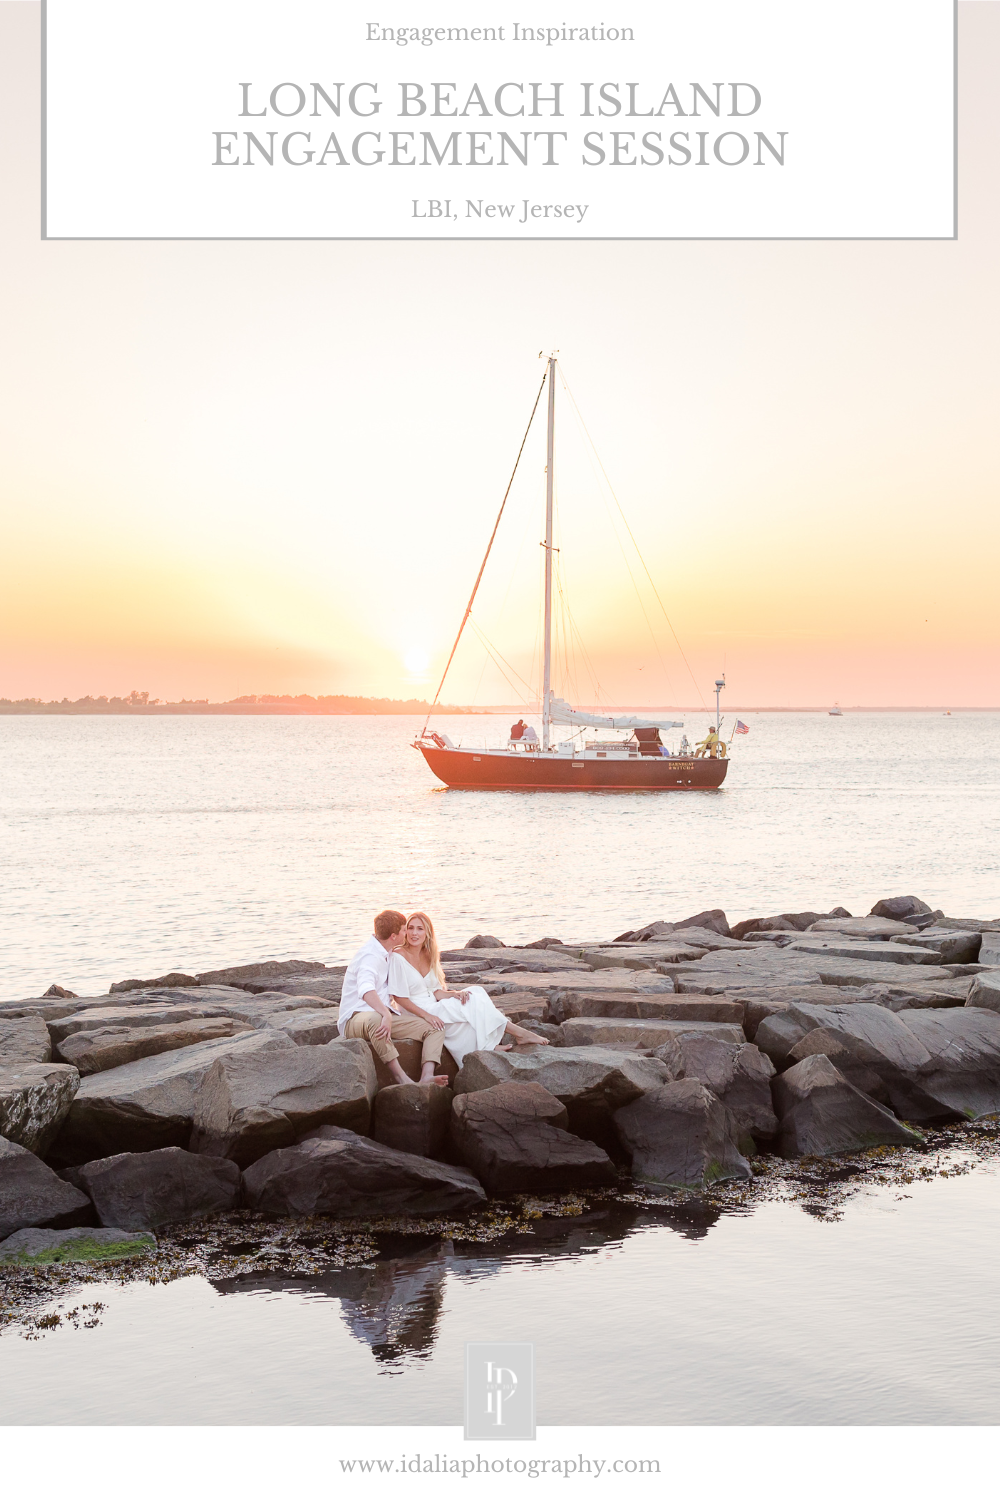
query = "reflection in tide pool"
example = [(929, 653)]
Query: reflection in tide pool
[(395, 1305), (888, 1314)]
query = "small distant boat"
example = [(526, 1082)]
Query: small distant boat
[(638, 762), (836, 712)]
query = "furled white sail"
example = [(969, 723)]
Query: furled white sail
[(560, 712)]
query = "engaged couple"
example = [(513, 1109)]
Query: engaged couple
[(394, 989)]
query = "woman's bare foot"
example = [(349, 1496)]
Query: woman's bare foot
[(529, 1038), (503, 1046)]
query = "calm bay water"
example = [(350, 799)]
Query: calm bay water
[(132, 847), (887, 1316)]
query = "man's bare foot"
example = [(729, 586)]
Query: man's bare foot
[(427, 1075), (398, 1076)]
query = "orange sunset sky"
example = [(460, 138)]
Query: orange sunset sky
[(273, 467)]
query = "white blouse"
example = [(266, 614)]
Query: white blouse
[(407, 981)]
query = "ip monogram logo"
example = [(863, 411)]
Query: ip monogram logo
[(499, 1392)]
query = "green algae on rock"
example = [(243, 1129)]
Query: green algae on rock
[(39, 1247)]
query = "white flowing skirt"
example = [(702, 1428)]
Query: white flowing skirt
[(476, 1026)]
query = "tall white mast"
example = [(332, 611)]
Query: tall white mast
[(549, 478)]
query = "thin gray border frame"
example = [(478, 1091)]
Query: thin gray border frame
[(517, 239)]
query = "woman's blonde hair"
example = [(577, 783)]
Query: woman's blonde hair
[(430, 944)]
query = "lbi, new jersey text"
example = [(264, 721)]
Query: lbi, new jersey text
[(477, 208)]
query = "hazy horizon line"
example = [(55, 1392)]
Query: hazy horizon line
[(298, 704)]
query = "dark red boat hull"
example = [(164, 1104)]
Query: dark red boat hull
[(496, 772)]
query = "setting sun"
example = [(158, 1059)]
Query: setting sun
[(416, 661)]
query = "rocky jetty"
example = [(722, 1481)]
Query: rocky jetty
[(680, 1053)]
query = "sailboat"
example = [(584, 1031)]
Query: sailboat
[(638, 761)]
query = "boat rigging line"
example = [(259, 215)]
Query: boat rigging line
[(635, 544), (496, 658), (479, 576)]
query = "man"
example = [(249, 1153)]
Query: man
[(709, 745), (516, 730), (367, 1011)]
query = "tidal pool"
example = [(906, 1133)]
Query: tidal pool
[(880, 1306)]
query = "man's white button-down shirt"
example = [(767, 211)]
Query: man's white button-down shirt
[(367, 970)]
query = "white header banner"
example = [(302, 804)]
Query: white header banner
[(649, 119)]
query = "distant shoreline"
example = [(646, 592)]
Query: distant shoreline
[(270, 706)]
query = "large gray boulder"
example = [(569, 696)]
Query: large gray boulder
[(881, 1040), (712, 921), (114, 1046), (862, 927), (23, 1039), (899, 907), (235, 976), (147, 1105), (680, 1134), (308, 1028), (763, 966), (32, 1196), (757, 1008), (989, 948), (50, 1008), (590, 1031), (822, 946), (174, 980), (628, 1006), (963, 1075), (250, 1104), (933, 1064), (822, 1114), (271, 968), (139, 1190), (317, 989), (336, 1172), (35, 1099), (43, 1246), (850, 1056), (984, 992), (738, 1073), (788, 921), (412, 1117), (157, 1013), (514, 1138), (951, 947), (707, 939), (576, 1076), (778, 1033), (270, 1009), (640, 956)]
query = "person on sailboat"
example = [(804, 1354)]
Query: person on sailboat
[(517, 730), (709, 745), (367, 1012), (471, 1021), (530, 736)]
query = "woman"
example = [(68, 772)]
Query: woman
[(469, 1019)]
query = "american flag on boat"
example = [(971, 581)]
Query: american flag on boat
[(740, 728)]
